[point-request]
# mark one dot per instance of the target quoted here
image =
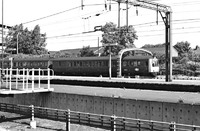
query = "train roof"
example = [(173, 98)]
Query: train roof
[(77, 58), (102, 58)]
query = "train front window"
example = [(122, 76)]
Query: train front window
[(135, 63), (154, 63)]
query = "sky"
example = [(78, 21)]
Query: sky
[(64, 21)]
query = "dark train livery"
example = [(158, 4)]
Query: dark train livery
[(90, 66)]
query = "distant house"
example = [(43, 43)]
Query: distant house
[(161, 51), (76, 52)]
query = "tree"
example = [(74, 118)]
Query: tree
[(86, 51), (28, 42), (123, 36), (183, 48)]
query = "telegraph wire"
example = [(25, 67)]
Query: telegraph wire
[(148, 24), (73, 18), (76, 8), (75, 34), (71, 34), (52, 15), (177, 33), (71, 41), (84, 6), (63, 12)]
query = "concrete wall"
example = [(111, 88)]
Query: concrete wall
[(151, 110)]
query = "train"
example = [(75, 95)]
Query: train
[(131, 66)]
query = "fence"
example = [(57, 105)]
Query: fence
[(112, 123), (12, 77)]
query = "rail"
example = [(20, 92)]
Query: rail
[(20, 78), (112, 123)]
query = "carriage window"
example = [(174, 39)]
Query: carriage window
[(24, 64), (128, 63), (83, 63), (99, 63), (87, 64), (78, 64), (138, 63), (59, 63), (93, 63), (67, 64), (41, 64), (96, 63), (102, 63), (114, 63), (46, 63)]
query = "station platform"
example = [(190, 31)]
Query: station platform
[(7, 91), (130, 83), (158, 80)]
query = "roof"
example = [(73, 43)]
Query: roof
[(77, 51), (155, 50), (100, 58), (197, 51), (5, 26)]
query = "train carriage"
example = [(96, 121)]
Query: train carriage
[(99, 66), (89, 66)]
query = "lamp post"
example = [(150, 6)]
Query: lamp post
[(110, 59)]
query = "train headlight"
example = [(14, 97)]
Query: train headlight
[(136, 69)]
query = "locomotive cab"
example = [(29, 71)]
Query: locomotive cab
[(153, 66)]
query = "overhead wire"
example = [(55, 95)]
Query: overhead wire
[(141, 25), (52, 15)]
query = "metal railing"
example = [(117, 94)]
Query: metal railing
[(11, 77), (112, 123)]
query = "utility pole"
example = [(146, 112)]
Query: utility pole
[(127, 14), (118, 13), (2, 37)]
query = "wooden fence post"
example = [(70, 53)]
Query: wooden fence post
[(33, 122), (113, 123), (172, 126), (139, 125), (68, 120)]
